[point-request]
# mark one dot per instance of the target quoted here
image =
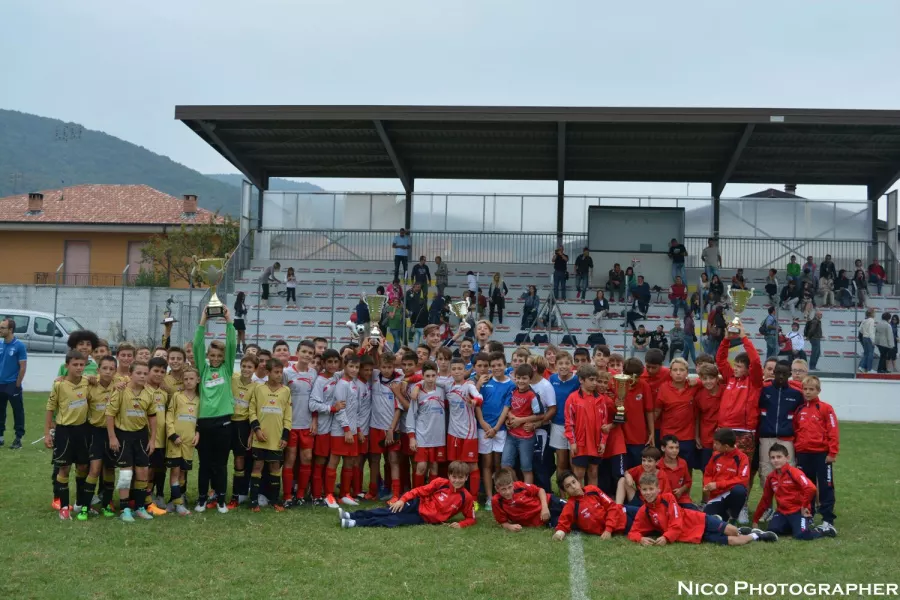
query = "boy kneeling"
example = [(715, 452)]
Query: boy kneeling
[(662, 521), (517, 504), (589, 510), (433, 503)]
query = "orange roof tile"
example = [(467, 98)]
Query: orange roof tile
[(103, 205)]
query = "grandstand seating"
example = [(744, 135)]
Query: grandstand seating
[(316, 315)]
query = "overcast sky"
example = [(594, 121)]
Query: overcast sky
[(121, 67)]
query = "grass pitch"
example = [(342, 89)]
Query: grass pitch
[(303, 553)]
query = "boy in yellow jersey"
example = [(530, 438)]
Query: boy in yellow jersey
[(143, 354), (174, 380), (182, 436), (125, 357), (101, 350), (270, 420), (129, 413), (242, 386), (99, 395), (156, 475), (68, 402)]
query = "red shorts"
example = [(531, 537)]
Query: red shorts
[(376, 436), (322, 446), (362, 447), (301, 438), (341, 448), (430, 455), (461, 449), (404, 445)]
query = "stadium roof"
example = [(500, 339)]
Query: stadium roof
[(714, 145)]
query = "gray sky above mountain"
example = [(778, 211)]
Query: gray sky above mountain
[(121, 67)]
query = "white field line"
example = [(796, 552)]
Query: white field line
[(577, 576)]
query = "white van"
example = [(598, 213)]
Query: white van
[(38, 331)]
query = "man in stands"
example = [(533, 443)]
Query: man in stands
[(827, 268), (584, 268), (812, 331), (401, 245), (421, 275), (877, 274), (265, 279), (712, 259), (616, 283), (677, 252)]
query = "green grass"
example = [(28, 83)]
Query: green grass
[(303, 554)]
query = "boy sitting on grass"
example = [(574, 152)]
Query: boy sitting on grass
[(589, 510), (628, 492)]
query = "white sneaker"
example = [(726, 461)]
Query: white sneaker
[(348, 523), (828, 526), (95, 500), (349, 501), (182, 510), (223, 510), (767, 516), (343, 514), (744, 518), (170, 507), (263, 501), (201, 505)]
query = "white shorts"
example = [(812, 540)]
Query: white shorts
[(494, 444), (558, 439)]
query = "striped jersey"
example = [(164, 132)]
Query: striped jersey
[(300, 383), (427, 417), (463, 424)]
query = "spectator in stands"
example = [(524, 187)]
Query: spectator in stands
[(472, 283), (862, 288), (704, 290), (676, 340), (438, 311), (715, 329), (690, 337), (482, 303), (877, 275), (395, 291), (362, 312), (616, 283), (790, 296), (530, 307), (240, 326), (844, 289), (813, 270), (421, 274), (417, 310), (884, 340), (892, 362), (712, 259), (395, 319), (826, 289), (813, 332), (630, 281), (584, 269), (402, 244), (694, 305), (807, 278), (659, 340), (807, 300), (640, 340), (738, 281), (770, 325), (601, 308), (441, 275), (637, 311), (560, 262), (827, 268), (716, 290), (641, 294), (793, 270), (677, 252), (784, 345), (678, 296), (857, 265), (497, 292), (866, 334), (772, 286), (267, 277)]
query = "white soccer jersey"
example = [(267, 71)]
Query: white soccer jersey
[(321, 400), (348, 393), (300, 383), (364, 412), (383, 401), (463, 424), (427, 417)]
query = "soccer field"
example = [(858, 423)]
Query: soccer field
[(303, 553)]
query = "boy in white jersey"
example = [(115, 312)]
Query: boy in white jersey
[(462, 430), (442, 358), (411, 376), (321, 401), (364, 416), (543, 454), (386, 386), (299, 378), (262, 373), (426, 424), (344, 427)]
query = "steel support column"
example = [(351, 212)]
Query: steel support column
[(560, 179)]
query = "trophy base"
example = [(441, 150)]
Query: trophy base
[(169, 321), (733, 329), (214, 312), (619, 419)]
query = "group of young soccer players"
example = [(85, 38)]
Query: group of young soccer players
[(452, 423)]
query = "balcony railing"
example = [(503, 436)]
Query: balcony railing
[(83, 279)]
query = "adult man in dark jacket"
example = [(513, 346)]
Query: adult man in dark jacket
[(813, 332)]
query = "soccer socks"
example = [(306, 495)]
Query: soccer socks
[(159, 482), (287, 479), (275, 485), (176, 497), (80, 478), (474, 482), (346, 481), (139, 493), (303, 479), (418, 480), (61, 489), (237, 480), (404, 473), (317, 480), (255, 480), (90, 484), (109, 486), (330, 479), (357, 479)]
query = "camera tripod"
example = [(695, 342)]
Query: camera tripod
[(546, 312)]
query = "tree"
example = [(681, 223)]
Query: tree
[(173, 252)]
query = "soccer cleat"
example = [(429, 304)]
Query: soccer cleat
[(278, 507), (385, 494), (233, 503), (828, 526), (126, 516), (201, 506), (55, 505), (370, 498), (181, 509), (330, 501), (487, 504), (64, 514), (476, 507), (154, 510), (744, 518), (766, 536), (82, 514), (159, 501), (745, 530), (347, 523), (767, 516), (360, 497), (108, 512), (17, 443), (211, 502), (349, 501), (255, 509), (142, 513), (343, 514), (95, 500), (222, 508), (170, 507), (299, 502), (319, 502), (826, 532)]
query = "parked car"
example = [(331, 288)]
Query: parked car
[(38, 331)]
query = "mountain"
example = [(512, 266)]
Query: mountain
[(276, 184), (41, 153)]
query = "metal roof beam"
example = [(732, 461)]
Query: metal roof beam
[(392, 154), (209, 130), (882, 187), (722, 179)]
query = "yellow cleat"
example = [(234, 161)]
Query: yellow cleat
[(156, 511)]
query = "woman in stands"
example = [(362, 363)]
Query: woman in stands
[(530, 307), (862, 288), (716, 290), (240, 311), (601, 308), (704, 291)]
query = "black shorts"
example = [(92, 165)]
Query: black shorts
[(158, 459), (70, 445), (268, 455), (98, 446), (240, 436), (584, 461), (179, 463), (132, 449), (239, 325)]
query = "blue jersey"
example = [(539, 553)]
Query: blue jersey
[(563, 389), (496, 396)]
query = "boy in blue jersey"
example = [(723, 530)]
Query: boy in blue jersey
[(497, 394), (778, 402), (564, 383)]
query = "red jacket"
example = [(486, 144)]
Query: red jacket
[(706, 406), (438, 501), (675, 523), (677, 477), (523, 509), (739, 408), (638, 402), (677, 290), (677, 410), (727, 469), (585, 415), (655, 381), (636, 472), (615, 439), (816, 428), (593, 512), (791, 489)]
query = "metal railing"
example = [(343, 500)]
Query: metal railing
[(83, 279)]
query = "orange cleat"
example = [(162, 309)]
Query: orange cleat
[(55, 505), (232, 504), (278, 507), (370, 498), (331, 502), (156, 511), (254, 509)]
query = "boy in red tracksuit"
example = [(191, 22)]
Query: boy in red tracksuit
[(675, 470), (586, 414), (706, 406), (517, 504), (433, 503), (662, 521), (795, 495), (816, 445), (589, 510), (655, 374), (628, 492), (739, 407), (726, 477)]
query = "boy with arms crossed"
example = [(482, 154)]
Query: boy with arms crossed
[(270, 420)]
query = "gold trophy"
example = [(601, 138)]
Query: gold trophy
[(623, 383), (168, 319), (376, 304), (460, 308), (739, 300), (211, 271)]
